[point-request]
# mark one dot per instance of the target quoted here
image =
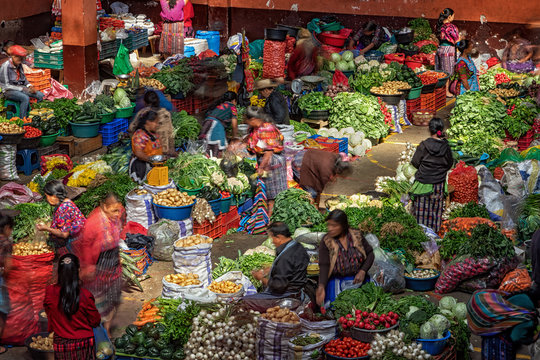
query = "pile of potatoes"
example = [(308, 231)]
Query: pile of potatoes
[(173, 198), (10, 128), (390, 88), (505, 92), (183, 279), (42, 343), (224, 287), (31, 248), (153, 83), (193, 240), (141, 191), (278, 314)]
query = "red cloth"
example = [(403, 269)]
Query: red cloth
[(301, 63), (81, 323), (17, 50), (189, 13)]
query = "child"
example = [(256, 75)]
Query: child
[(72, 313)]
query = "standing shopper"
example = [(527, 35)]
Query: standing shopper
[(344, 258), (433, 158), (220, 116), (14, 83), (266, 141), (448, 35), (6, 247), (98, 249), (72, 313), (68, 220), (466, 73), (172, 36)]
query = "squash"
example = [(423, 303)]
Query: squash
[(131, 330), (140, 351), (166, 354)]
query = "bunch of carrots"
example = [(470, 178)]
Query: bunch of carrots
[(148, 313)]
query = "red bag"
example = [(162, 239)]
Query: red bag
[(274, 59), (464, 179), (340, 78), (26, 282), (289, 48)]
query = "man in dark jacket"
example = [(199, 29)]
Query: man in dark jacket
[(288, 274), (276, 105)]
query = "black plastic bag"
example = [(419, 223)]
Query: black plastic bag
[(139, 241)]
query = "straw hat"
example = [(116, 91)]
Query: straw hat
[(268, 83)]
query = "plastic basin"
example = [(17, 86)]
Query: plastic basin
[(173, 213), (38, 354), (415, 93), (368, 336), (225, 204), (389, 99), (29, 143), (216, 206), (434, 346), (190, 192), (425, 284), (48, 140), (327, 356), (85, 130), (125, 113), (11, 139), (332, 39), (106, 118)]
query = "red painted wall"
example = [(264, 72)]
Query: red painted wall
[(12, 10)]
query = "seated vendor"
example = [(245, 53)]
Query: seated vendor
[(288, 274), (369, 38), (344, 258), (144, 144), (14, 83), (276, 105), (68, 220)]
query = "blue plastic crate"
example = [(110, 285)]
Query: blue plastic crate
[(110, 131), (343, 143)]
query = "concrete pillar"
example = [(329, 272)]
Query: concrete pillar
[(218, 18), (79, 30)]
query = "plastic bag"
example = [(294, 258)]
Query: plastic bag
[(307, 352), (256, 49), (139, 208), (493, 278), (165, 233), (385, 272), (175, 291), (516, 281), (511, 212), (122, 65), (139, 241), (490, 194), (8, 169), (194, 259), (239, 278), (340, 78), (13, 194), (459, 270), (119, 7), (56, 91), (274, 59), (235, 43), (464, 179), (326, 328), (229, 165)]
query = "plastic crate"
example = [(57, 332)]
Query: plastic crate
[(343, 143), (440, 98), (213, 231), (412, 106), (525, 141), (110, 131), (427, 101), (183, 104), (143, 263), (200, 105), (139, 38), (536, 126), (230, 216), (448, 354)]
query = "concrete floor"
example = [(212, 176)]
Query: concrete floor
[(381, 161)]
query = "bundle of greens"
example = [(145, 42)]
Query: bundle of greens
[(178, 320), (314, 101), (178, 79), (104, 103), (369, 297), (64, 109), (294, 208), (478, 120), (30, 214), (428, 49), (470, 209), (298, 126), (422, 29), (192, 172), (255, 261), (361, 112), (118, 184), (529, 217), (186, 127), (521, 115)]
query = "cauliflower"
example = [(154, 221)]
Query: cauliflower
[(217, 179), (235, 186), (373, 63), (244, 180), (383, 66), (360, 60), (364, 67)]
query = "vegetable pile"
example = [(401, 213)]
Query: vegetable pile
[(193, 240), (279, 314), (314, 101), (64, 109), (30, 214), (173, 198), (294, 208), (369, 298), (178, 79), (521, 115), (347, 348), (368, 320), (186, 127), (224, 287)]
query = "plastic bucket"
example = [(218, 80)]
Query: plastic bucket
[(216, 206), (125, 113), (86, 130), (212, 37), (425, 284), (434, 346), (173, 213), (225, 204), (415, 93), (190, 192)]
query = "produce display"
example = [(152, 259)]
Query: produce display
[(30, 214), (279, 314), (390, 88), (31, 132), (294, 208), (26, 249), (314, 101), (224, 287), (431, 77), (186, 127), (468, 210), (333, 90), (393, 345), (193, 240), (42, 343), (529, 217), (64, 109), (192, 172), (422, 274), (118, 184), (347, 348), (183, 279), (358, 144), (372, 74), (202, 211), (493, 77), (173, 198), (152, 83), (521, 116), (369, 321), (504, 93), (304, 340), (10, 128), (343, 62), (176, 80)]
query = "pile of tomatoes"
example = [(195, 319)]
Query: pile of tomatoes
[(431, 77), (347, 348), (31, 132), (502, 78), (369, 321)]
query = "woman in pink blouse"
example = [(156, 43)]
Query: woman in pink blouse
[(172, 36), (448, 35)]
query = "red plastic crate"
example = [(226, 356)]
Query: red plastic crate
[(200, 105), (427, 101), (230, 216), (536, 126), (440, 98), (448, 354), (525, 141), (213, 231), (413, 105), (183, 104)]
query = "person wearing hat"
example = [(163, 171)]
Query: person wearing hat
[(14, 83), (303, 60), (276, 105)]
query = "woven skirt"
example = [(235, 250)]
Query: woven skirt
[(276, 181), (74, 349), (445, 59), (428, 209), (172, 38)]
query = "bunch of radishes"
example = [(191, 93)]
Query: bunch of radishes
[(333, 90), (369, 320)]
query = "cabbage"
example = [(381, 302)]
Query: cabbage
[(359, 150), (440, 323), (300, 231), (125, 103), (355, 139), (367, 144), (351, 65), (331, 66), (412, 310), (447, 303), (342, 65), (335, 57), (428, 331), (347, 55), (347, 130), (323, 132), (119, 94), (333, 132), (408, 170), (460, 311)]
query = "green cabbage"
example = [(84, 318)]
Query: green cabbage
[(428, 331), (440, 323), (342, 65), (347, 56), (119, 94), (447, 303), (125, 103), (335, 57), (460, 311)]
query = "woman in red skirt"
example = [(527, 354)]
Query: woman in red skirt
[(172, 36), (72, 313)]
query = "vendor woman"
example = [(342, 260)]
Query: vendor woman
[(344, 258), (172, 36), (433, 158), (276, 105), (266, 141), (369, 38), (220, 116), (144, 144), (448, 35), (68, 220)]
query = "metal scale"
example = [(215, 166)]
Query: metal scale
[(159, 174)]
